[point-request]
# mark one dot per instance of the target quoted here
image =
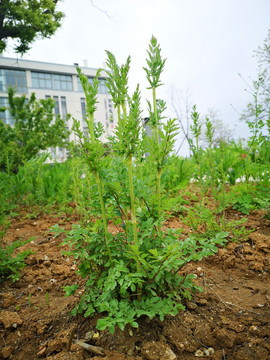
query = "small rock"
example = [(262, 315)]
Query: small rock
[(201, 302), (191, 305), (157, 351), (10, 319), (7, 300), (7, 351), (88, 336), (55, 345), (230, 261), (254, 330), (227, 338), (199, 353), (42, 351), (209, 351)]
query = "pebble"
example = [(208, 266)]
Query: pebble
[(199, 353), (209, 351), (191, 305), (42, 351), (7, 351), (201, 302)]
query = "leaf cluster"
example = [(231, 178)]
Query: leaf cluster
[(27, 20), (35, 129), (155, 64), (113, 290), (117, 81), (11, 264)]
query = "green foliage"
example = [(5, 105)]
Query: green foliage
[(256, 197), (257, 113), (35, 129), (113, 290), (135, 271), (117, 79), (155, 64), (27, 20), (11, 264)]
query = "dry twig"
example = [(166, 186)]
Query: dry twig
[(91, 348)]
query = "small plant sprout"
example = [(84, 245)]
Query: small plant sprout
[(47, 299), (196, 130)]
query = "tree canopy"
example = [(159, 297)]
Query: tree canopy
[(36, 128), (26, 20)]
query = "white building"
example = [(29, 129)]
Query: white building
[(60, 82)]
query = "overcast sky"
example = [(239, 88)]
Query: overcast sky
[(206, 43)]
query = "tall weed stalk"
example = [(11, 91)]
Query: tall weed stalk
[(133, 271)]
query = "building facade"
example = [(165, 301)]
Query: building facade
[(60, 82)]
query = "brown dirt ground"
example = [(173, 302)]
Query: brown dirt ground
[(228, 321)]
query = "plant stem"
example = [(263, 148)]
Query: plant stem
[(155, 114), (133, 217), (157, 142), (103, 215)]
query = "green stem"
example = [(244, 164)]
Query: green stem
[(157, 142), (155, 114), (91, 128), (103, 213), (198, 161), (159, 197), (124, 108), (133, 217), (96, 174), (119, 113), (222, 189)]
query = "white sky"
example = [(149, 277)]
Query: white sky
[(206, 43)]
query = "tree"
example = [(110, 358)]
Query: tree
[(36, 128), (221, 132), (257, 112), (182, 108), (27, 20)]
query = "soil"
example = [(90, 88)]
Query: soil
[(229, 320)]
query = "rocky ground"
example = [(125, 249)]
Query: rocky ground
[(228, 321)]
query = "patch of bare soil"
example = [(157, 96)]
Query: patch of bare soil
[(228, 321)]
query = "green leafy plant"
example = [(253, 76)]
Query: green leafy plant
[(34, 129), (10, 264), (133, 272), (27, 20), (47, 298)]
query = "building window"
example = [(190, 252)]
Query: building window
[(102, 87), (62, 82), (64, 107), (5, 116), (86, 132), (13, 78), (80, 88), (56, 108), (83, 108), (51, 81), (41, 80)]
